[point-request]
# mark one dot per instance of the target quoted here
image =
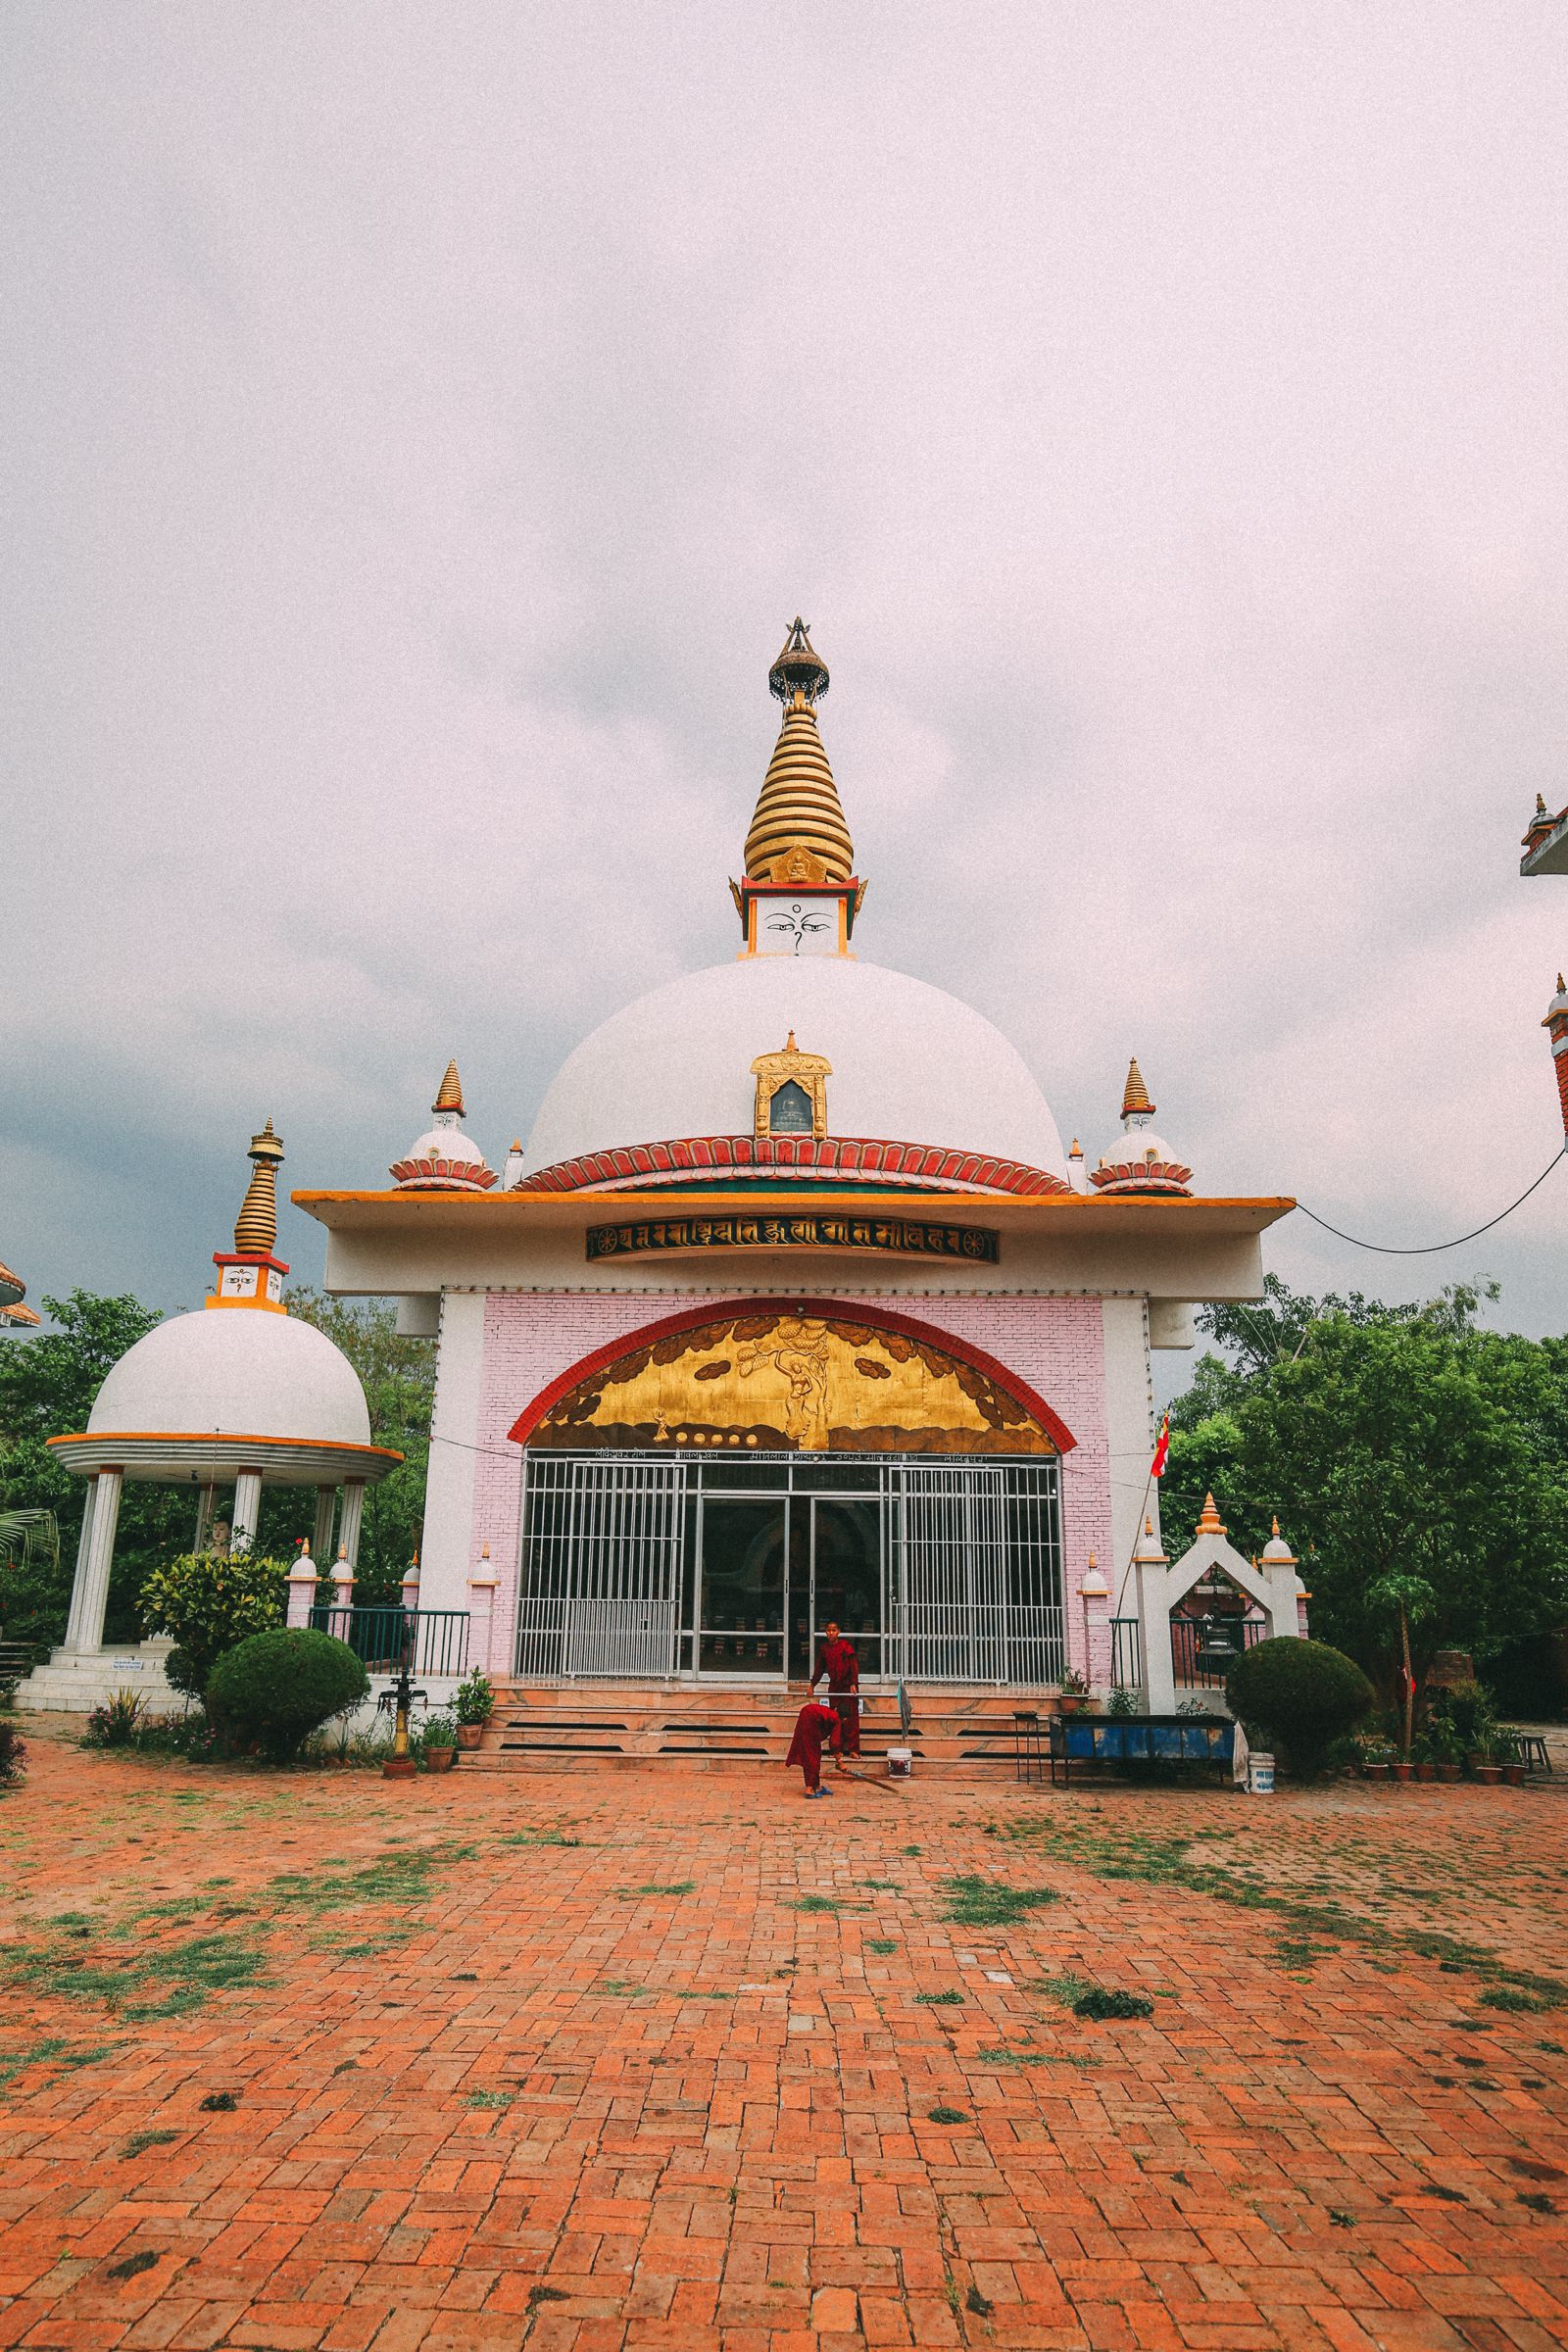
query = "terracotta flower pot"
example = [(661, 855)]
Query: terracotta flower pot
[(469, 1734), (1403, 1772), (1068, 1702), (1375, 1772), (399, 1768), (1425, 1771), (1489, 1775), (440, 1759), (1447, 1772), (1515, 1775)]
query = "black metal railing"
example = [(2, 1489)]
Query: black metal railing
[(1200, 1659), (425, 1640), (1126, 1658)]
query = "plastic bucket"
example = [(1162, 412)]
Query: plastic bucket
[(901, 1763), (1259, 1775)]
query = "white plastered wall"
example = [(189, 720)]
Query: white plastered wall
[(1130, 1426), (445, 1559)]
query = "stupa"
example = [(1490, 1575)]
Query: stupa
[(240, 1394), (793, 1308)]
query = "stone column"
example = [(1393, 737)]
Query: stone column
[(204, 1517), (1094, 1594), (349, 1524), (325, 1513), (301, 1582), (90, 1598), (1151, 1571), (482, 1612), (79, 1581), (247, 1510)]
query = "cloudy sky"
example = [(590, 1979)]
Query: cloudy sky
[(418, 423)]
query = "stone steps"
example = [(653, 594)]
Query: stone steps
[(554, 1728)]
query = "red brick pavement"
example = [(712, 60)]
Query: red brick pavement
[(541, 2093)]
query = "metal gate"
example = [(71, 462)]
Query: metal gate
[(971, 1548), (603, 1548)]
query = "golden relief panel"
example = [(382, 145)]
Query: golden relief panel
[(793, 1383)]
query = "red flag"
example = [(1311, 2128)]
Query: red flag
[(1161, 1448)]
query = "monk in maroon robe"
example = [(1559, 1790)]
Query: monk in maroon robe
[(814, 1725), (837, 1661)]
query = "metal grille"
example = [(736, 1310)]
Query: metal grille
[(970, 1549), (602, 1564)]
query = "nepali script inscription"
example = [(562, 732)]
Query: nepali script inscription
[(901, 1235)]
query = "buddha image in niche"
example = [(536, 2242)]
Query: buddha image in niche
[(804, 925)]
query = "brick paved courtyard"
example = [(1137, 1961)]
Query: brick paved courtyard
[(628, 2060)]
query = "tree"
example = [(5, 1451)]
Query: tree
[(47, 1386), (398, 1376), (208, 1602), (1395, 1442)]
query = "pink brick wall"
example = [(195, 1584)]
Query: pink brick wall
[(530, 1339)]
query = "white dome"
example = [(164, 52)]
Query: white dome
[(447, 1143), (240, 1369), (910, 1064)]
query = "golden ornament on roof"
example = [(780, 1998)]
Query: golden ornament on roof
[(256, 1226), (450, 1094), (798, 835)]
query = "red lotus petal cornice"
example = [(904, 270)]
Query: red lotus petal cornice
[(824, 1157)]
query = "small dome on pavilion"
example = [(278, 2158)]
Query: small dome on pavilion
[(1142, 1162), (444, 1159)]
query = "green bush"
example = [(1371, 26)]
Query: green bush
[(1301, 1693), (275, 1689), (206, 1602)]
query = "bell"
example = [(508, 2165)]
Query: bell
[(1217, 1647)]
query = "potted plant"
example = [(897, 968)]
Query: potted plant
[(473, 1702), (438, 1743), (1377, 1759), (1483, 1762), (1446, 1757), (1424, 1758), (1073, 1691), (1508, 1756)]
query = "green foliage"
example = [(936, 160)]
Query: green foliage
[(983, 1903), (13, 1755), (114, 1725), (206, 1601), (275, 1689), (1395, 1442), (47, 1386), (1302, 1693), (474, 1699), (1109, 2001), (398, 1376)]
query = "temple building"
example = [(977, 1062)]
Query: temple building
[(792, 1308)]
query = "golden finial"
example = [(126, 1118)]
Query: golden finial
[(450, 1097), (1540, 806), (1276, 1524), (797, 833), (1148, 1526), (256, 1226), (1210, 1524), (1135, 1095)]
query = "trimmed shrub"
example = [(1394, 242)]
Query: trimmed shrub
[(273, 1690), (1301, 1693), (206, 1602)]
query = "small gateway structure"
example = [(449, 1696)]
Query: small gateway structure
[(240, 1395), (793, 1309)]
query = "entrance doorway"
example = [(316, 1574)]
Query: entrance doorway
[(938, 1568)]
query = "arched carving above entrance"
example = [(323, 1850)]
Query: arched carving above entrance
[(792, 1375)]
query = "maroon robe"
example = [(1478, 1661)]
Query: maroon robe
[(814, 1725), (837, 1662)]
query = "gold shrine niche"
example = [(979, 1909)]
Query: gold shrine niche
[(786, 1383)]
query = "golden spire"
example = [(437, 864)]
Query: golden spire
[(450, 1097), (797, 833), (1210, 1524), (1135, 1096), (256, 1226)]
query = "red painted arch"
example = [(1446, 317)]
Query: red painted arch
[(828, 1310)]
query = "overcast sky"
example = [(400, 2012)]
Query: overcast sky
[(419, 423)]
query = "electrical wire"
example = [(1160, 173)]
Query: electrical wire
[(1432, 1249)]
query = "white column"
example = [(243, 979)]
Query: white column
[(204, 1517), (78, 1583), (447, 1546), (302, 1588), (91, 1596), (481, 1609), (247, 1509), (1151, 1572), (349, 1526), (325, 1513)]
